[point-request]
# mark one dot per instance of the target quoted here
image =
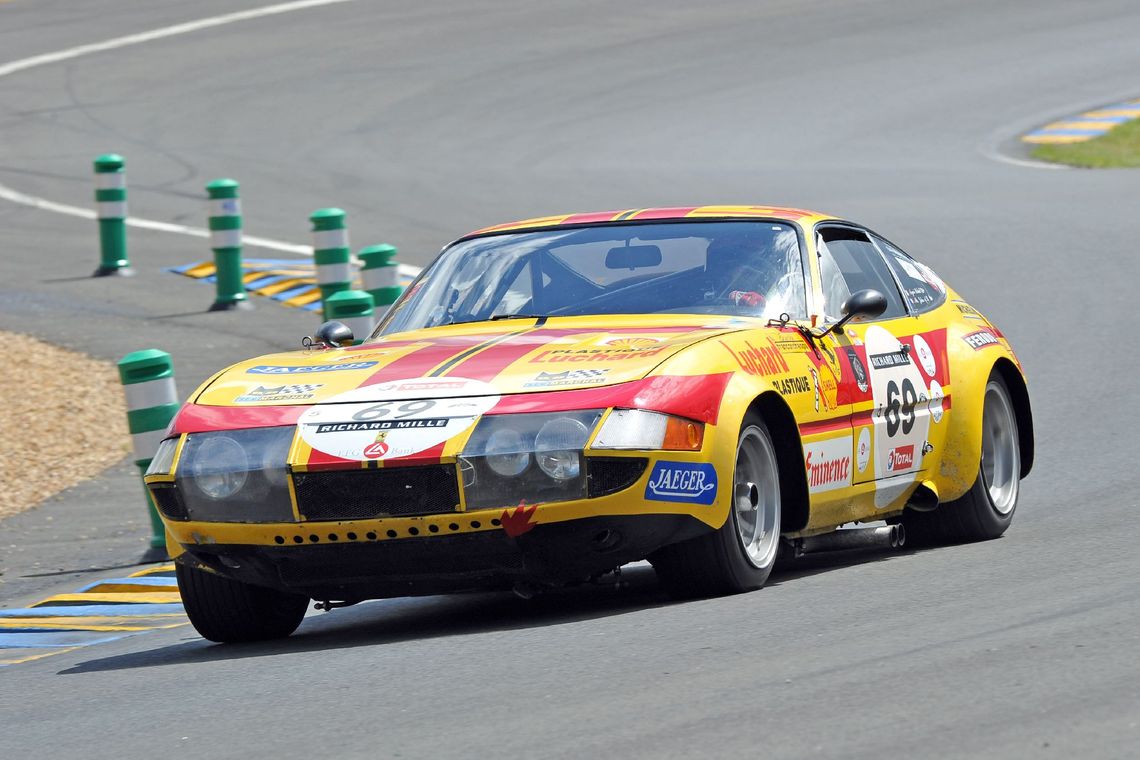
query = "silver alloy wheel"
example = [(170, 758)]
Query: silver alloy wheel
[(1001, 457), (756, 497)]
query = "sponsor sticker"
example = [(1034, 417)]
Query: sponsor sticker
[(980, 339), (279, 393), (935, 404), (828, 464), (858, 369), (968, 311), (863, 452), (898, 358), (632, 344), (900, 458), (925, 355), (600, 354), (568, 377), (689, 483), (277, 369), (395, 419), (789, 386), (762, 361)]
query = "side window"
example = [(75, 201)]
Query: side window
[(848, 262), (922, 288)]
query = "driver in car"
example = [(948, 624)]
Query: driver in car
[(740, 272)]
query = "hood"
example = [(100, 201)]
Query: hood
[(466, 360)]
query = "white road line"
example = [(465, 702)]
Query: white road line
[(15, 196)]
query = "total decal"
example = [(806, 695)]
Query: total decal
[(828, 464), (685, 482), (395, 419), (901, 413)]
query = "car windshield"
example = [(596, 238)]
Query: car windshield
[(752, 269)]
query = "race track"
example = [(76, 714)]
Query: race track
[(426, 119)]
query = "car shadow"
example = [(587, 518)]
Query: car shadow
[(396, 620)]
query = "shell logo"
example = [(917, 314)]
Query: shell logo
[(632, 344)]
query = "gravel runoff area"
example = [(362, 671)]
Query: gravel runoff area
[(64, 421)]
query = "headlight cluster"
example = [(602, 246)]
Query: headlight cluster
[(235, 475), (537, 457)]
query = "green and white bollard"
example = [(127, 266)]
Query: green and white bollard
[(152, 402), (225, 239), (331, 253), (380, 274), (355, 309), (111, 209)]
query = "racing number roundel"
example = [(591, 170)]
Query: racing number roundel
[(901, 417), (397, 418)]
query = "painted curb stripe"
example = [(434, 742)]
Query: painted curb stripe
[(1085, 126), (107, 610), (125, 585), (53, 639)]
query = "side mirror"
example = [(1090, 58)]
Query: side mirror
[(862, 304), (336, 334)]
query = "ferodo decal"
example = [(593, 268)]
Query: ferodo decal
[(275, 369), (689, 483), (980, 339), (901, 412), (828, 464), (395, 419)]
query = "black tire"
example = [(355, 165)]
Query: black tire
[(976, 516), (226, 611), (717, 563)]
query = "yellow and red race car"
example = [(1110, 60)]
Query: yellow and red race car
[(554, 398)]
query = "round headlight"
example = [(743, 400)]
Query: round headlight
[(220, 467), (557, 447), (506, 453)]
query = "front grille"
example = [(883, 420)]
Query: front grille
[(612, 474), (387, 492), (169, 501)]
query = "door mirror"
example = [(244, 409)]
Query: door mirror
[(336, 334), (862, 304)]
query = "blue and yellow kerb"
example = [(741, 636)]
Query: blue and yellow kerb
[(1085, 126), (98, 613)]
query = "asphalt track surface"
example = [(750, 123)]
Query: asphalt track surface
[(426, 119)]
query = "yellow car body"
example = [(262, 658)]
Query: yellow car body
[(864, 419)]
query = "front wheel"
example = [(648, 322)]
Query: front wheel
[(986, 510), (224, 610), (740, 555)]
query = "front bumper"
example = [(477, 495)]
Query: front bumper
[(345, 564)]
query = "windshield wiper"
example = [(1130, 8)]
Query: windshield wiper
[(497, 317)]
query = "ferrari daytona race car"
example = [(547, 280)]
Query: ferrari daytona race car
[(554, 398)]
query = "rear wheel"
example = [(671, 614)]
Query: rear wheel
[(986, 510), (740, 555), (225, 610)]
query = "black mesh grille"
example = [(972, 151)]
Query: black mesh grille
[(169, 501), (612, 474), (387, 492)]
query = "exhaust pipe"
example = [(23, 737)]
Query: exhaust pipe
[(892, 536)]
